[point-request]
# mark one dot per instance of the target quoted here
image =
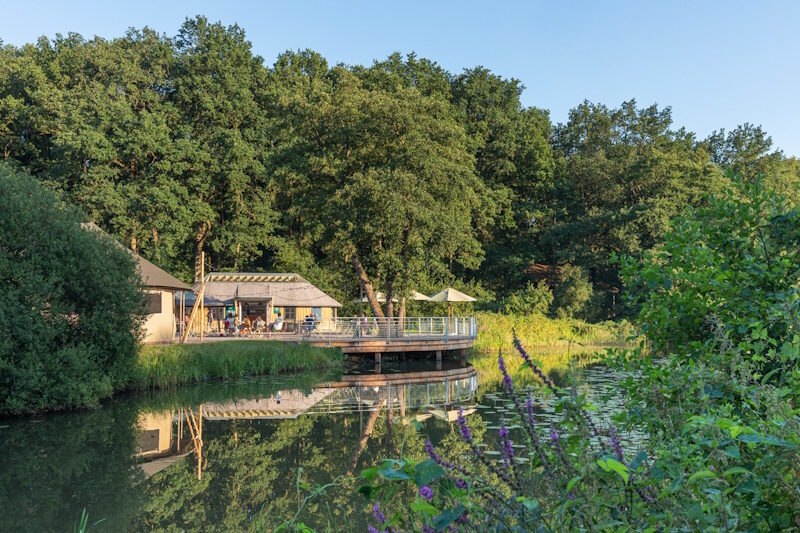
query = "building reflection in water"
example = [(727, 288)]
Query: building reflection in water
[(167, 436)]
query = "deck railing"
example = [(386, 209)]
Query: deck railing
[(409, 328), (417, 327)]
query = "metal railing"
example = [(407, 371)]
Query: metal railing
[(417, 327), (366, 328)]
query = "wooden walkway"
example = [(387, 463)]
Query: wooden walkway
[(377, 336)]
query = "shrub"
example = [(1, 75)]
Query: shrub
[(573, 292), (71, 303), (533, 299)]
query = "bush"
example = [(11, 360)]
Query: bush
[(573, 292), (533, 299), (71, 304)]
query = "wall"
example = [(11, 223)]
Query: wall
[(160, 327)]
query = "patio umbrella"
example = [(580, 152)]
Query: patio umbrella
[(419, 297), (450, 296)]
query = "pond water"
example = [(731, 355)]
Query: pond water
[(228, 456)]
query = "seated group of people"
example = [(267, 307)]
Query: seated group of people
[(246, 326)]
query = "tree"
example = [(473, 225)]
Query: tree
[(71, 304), (622, 175), (221, 147), (383, 177)]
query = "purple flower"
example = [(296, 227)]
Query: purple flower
[(378, 514), (466, 434), (554, 440), (461, 484), (426, 492), (616, 445), (505, 446), (536, 370), (501, 363), (427, 529)]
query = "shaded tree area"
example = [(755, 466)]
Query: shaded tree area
[(395, 176)]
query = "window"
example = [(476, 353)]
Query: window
[(317, 312), (153, 303), (290, 313)]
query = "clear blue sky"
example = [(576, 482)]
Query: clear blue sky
[(717, 64)]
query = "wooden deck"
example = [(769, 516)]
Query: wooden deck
[(353, 336)]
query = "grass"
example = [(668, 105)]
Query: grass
[(160, 366), (537, 331)]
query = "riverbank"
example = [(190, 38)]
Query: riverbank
[(168, 365), (495, 331)]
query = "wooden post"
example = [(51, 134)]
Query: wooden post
[(202, 307), (194, 309)]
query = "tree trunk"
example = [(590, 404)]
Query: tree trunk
[(366, 286), (402, 314), (389, 295), (199, 242)]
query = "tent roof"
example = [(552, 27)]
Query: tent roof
[(284, 290), (451, 295), (418, 296), (152, 276)]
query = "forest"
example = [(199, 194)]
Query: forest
[(398, 176)]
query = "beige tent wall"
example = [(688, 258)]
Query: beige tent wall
[(160, 327)]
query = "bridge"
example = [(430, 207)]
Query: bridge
[(370, 336)]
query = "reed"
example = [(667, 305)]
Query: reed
[(495, 331), (160, 366)]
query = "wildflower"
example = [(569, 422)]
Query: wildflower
[(426, 492), (501, 363), (554, 440), (616, 445), (461, 484), (536, 370), (427, 529), (462, 425), (505, 446), (429, 449), (378, 514)]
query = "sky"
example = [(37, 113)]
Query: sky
[(717, 64)]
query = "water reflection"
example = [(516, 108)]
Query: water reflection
[(222, 456)]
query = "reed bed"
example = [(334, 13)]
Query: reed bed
[(495, 331), (161, 366)]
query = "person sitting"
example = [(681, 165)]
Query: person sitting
[(260, 324), (278, 324), (245, 331)]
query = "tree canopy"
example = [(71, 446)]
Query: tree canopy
[(396, 176)]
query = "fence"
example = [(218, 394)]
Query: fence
[(418, 327)]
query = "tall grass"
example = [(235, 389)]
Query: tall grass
[(177, 364), (495, 332)]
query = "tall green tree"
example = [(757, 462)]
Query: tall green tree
[(384, 177)]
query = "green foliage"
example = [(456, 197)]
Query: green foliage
[(532, 300), (178, 364), (719, 300), (716, 396), (729, 269), (495, 331), (179, 145), (71, 304), (572, 292)]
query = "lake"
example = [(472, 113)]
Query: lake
[(243, 455)]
